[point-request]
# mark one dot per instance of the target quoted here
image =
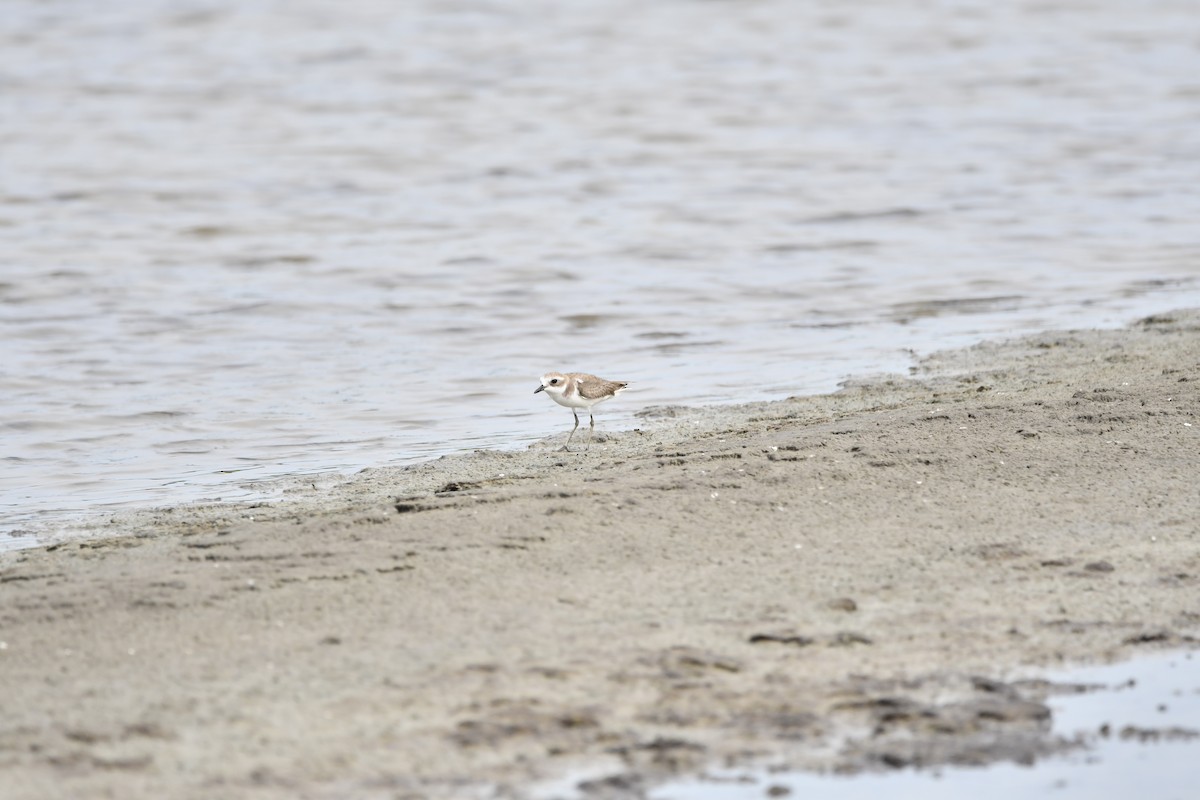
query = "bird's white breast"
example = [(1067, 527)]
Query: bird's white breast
[(574, 401)]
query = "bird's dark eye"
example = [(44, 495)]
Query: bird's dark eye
[(554, 382)]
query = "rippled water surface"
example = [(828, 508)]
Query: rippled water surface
[(243, 240)]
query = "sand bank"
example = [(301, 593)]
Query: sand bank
[(839, 582)]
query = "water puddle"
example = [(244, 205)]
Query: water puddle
[(1138, 725)]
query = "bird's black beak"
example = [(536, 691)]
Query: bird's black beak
[(540, 388)]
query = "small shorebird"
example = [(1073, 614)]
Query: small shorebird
[(577, 390)]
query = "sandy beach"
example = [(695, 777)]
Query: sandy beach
[(852, 581)]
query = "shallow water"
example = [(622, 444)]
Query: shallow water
[(1154, 693), (244, 240)]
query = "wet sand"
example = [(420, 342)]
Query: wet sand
[(853, 581)]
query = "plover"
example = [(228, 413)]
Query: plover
[(577, 390)]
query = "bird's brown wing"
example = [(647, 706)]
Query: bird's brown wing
[(591, 389)]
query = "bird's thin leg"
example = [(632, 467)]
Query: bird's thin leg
[(591, 429), (576, 415)]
